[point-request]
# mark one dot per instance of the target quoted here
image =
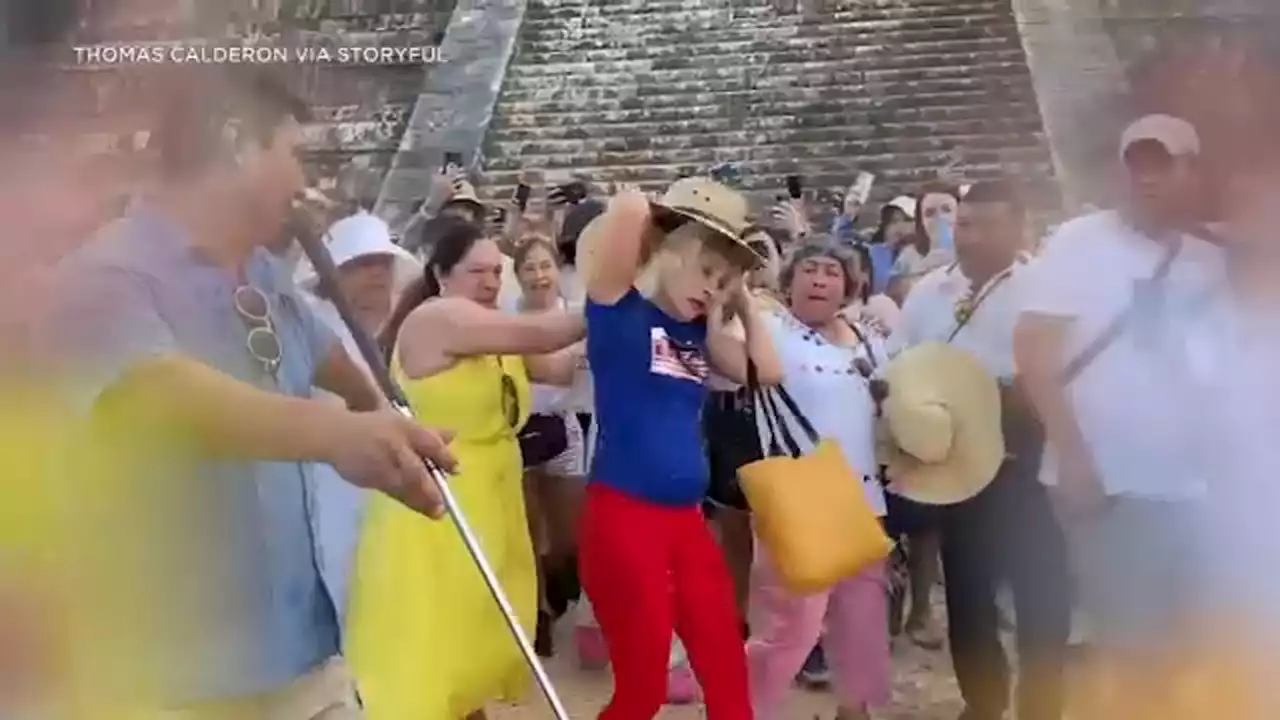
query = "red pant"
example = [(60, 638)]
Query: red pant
[(649, 569)]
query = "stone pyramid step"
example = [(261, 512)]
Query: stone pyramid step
[(648, 91)]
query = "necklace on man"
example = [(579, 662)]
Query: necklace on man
[(969, 304)]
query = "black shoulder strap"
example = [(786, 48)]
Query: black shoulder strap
[(794, 409), (1113, 331), (781, 440), (862, 340), (961, 324)]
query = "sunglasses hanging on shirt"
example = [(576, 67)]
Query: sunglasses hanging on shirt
[(262, 342)]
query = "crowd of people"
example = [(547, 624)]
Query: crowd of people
[(1021, 415)]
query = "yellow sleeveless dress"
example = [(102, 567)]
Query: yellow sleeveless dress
[(424, 637)]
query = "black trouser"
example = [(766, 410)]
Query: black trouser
[(1008, 532)]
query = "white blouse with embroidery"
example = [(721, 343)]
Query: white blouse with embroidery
[(829, 389)]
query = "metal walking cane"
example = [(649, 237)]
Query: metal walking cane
[(318, 253)]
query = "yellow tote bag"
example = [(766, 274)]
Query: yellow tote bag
[(810, 510)]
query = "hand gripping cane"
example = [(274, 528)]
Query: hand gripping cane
[(318, 253)]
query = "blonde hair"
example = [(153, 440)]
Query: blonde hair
[(673, 251)]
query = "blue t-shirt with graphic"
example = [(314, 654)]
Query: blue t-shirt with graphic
[(650, 374)]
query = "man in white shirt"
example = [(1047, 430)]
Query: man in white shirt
[(1100, 350), (1008, 532)]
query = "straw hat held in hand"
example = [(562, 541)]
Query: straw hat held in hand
[(941, 429)]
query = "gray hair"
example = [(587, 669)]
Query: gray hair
[(821, 246)]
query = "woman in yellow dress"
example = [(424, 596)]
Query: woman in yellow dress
[(424, 637)]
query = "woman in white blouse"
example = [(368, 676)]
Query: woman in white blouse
[(827, 362)]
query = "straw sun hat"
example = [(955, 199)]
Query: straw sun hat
[(941, 431), (711, 204), (702, 200)]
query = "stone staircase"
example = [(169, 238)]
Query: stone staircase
[(360, 110), (646, 91)]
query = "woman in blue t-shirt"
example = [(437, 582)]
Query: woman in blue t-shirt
[(662, 282)]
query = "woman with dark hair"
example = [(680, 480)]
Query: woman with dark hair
[(931, 244), (895, 232), (425, 638), (575, 219), (936, 207)]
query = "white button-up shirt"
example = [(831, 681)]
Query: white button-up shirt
[(930, 314)]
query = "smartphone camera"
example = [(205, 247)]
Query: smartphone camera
[(522, 196)]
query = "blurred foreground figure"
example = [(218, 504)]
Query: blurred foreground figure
[(185, 355), (1099, 349), (43, 610), (1234, 353), (1226, 83)]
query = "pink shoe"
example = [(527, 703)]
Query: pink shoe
[(682, 686), (593, 654)]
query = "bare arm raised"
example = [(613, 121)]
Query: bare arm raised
[(440, 332), (610, 259), (732, 342)]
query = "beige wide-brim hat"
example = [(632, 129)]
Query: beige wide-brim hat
[(713, 205), (940, 434), (701, 200)]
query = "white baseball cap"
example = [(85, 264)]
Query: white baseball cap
[(1177, 136), (906, 204)]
